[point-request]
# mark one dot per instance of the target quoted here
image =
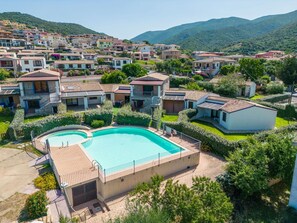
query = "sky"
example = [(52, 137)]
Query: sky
[(129, 18)]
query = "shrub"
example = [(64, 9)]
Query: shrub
[(46, 182), (98, 114), (97, 124), (206, 85), (107, 105), (62, 108), (15, 126), (128, 117), (274, 88), (36, 205), (4, 74), (186, 115), (49, 123), (198, 77), (5, 111), (99, 72)]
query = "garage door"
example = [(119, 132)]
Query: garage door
[(84, 193), (173, 107)]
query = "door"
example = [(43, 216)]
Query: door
[(84, 193), (33, 104)]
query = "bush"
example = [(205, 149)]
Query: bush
[(206, 85), (127, 117), (97, 124), (5, 111), (15, 126), (99, 72), (98, 114), (46, 182), (36, 205), (107, 105), (49, 123), (4, 74), (198, 77), (275, 88), (186, 115), (62, 108)]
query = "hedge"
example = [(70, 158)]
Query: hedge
[(216, 143), (98, 114), (15, 126), (49, 123), (275, 98), (97, 124), (127, 117), (186, 115)]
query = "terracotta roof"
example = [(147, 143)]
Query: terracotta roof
[(218, 98), (80, 86), (74, 62), (215, 59), (111, 88), (8, 58), (195, 95), (42, 74), (153, 77), (236, 105)]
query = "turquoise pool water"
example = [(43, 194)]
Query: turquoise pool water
[(71, 137), (116, 148)]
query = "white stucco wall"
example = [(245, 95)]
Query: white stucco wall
[(254, 118), (293, 195)]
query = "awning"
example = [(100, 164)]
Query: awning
[(9, 92), (81, 94), (174, 98), (212, 106), (154, 83)]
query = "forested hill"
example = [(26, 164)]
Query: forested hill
[(55, 27), (229, 33)]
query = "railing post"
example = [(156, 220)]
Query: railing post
[(133, 166), (158, 159), (180, 151), (104, 176)]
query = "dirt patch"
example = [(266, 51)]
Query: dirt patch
[(11, 208)]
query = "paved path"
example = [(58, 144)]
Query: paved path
[(15, 172), (210, 166), (57, 205)]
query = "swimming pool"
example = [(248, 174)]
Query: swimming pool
[(64, 138), (117, 149)]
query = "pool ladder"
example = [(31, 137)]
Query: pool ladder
[(66, 145)]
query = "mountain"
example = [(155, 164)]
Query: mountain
[(284, 39), (218, 34), (55, 27)]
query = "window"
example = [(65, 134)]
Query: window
[(93, 98), (108, 96), (78, 65), (191, 104), (224, 116), (147, 89), (26, 61), (118, 63), (70, 65), (37, 63), (40, 87), (124, 61)]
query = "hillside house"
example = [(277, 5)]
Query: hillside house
[(30, 64)]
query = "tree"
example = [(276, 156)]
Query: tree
[(115, 77), (134, 70), (288, 73), (281, 154), (272, 67), (227, 69), (204, 202), (229, 85), (275, 88), (4, 74), (248, 167), (101, 61), (193, 86), (251, 68)]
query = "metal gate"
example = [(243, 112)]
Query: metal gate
[(84, 193)]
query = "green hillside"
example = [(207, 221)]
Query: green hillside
[(284, 39), (58, 27), (218, 34)]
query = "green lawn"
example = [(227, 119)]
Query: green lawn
[(281, 122), (33, 118), (170, 118), (256, 97), (210, 128), (4, 123)]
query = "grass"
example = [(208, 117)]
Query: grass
[(148, 62), (210, 128), (170, 118), (33, 119), (281, 122), (257, 97), (4, 123)]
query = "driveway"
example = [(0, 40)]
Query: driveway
[(15, 172)]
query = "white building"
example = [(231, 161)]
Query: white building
[(119, 62), (30, 64)]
